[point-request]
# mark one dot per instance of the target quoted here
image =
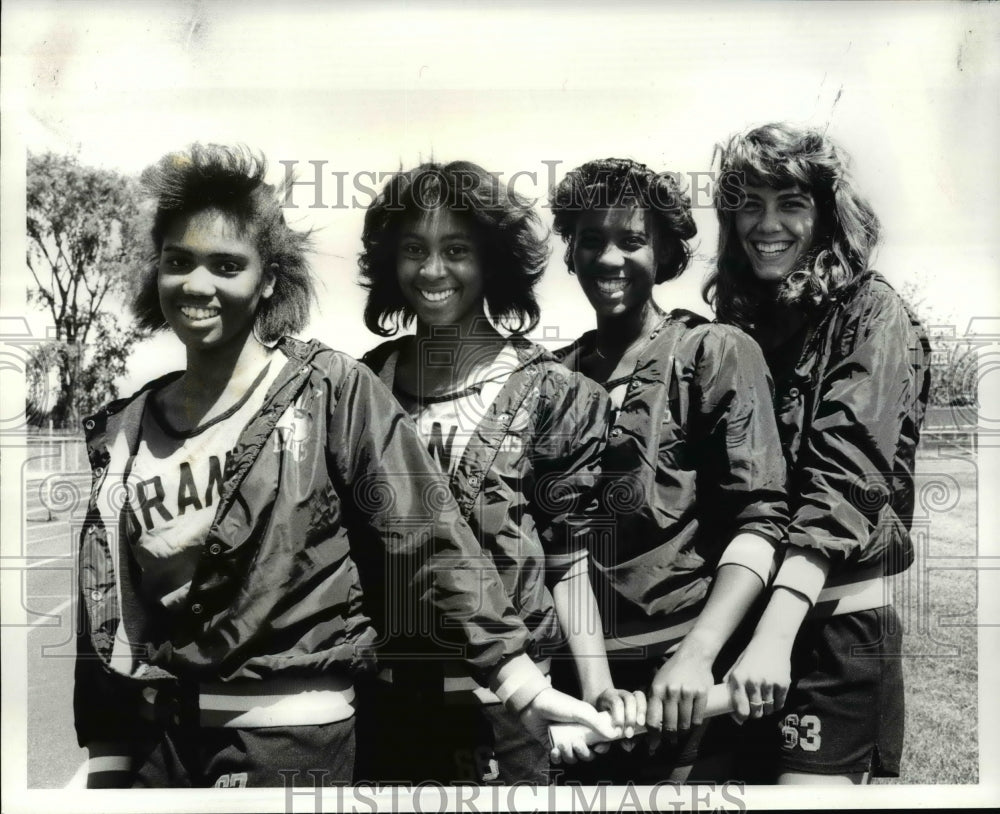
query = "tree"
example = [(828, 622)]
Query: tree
[(85, 237), (954, 370)]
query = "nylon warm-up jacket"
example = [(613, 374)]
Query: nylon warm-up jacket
[(693, 459), (527, 479), (849, 411), (282, 586)]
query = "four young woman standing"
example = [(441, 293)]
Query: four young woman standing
[(276, 538)]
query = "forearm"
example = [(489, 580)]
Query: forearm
[(800, 579), (733, 593), (580, 619), (804, 570)]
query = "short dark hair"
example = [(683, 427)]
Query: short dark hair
[(610, 182), (230, 180), (779, 156), (508, 233)]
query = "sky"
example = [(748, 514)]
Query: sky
[(911, 91)]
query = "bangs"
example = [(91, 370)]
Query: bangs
[(761, 165), (508, 234)]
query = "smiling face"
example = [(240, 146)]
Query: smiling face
[(776, 228), (615, 256), (210, 280), (439, 269)]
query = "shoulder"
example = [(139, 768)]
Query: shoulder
[(555, 380), (571, 353), (702, 339), (870, 293), (869, 307), (377, 356), (98, 420), (318, 356), (324, 363), (689, 319)]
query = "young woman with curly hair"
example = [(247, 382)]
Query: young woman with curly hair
[(520, 437), (693, 474), (849, 363)]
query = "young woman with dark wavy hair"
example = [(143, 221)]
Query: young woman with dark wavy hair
[(520, 437)]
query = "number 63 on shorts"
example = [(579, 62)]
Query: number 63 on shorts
[(801, 732)]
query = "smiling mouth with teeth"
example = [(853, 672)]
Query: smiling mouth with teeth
[(437, 296), (196, 313), (611, 285), (772, 249)]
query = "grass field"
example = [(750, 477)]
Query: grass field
[(936, 600)]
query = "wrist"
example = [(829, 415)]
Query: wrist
[(592, 692), (595, 678), (783, 617), (701, 646), (771, 639)]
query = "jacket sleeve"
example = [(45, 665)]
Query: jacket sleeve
[(737, 440), (101, 703), (103, 706), (864, 401), (104, 713), (434, 566), (566, 458)]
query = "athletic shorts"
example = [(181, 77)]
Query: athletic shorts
[(302, 757), (844, 712)]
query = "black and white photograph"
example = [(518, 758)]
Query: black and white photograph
[(466, 406)]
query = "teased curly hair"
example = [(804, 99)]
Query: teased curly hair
[(847, 230), (610, 182), (509, 236), (230, 180)]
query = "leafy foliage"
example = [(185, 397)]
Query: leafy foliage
[(85, 246), (954, 370)]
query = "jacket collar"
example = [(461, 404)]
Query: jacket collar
[(125, 414), (383, 358)]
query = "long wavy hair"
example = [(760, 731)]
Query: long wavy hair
[(230, 180), (847, 230), (611, 182), (510, 239)]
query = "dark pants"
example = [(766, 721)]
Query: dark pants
[(409, 736)]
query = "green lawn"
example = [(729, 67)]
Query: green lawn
[(936, 600)]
